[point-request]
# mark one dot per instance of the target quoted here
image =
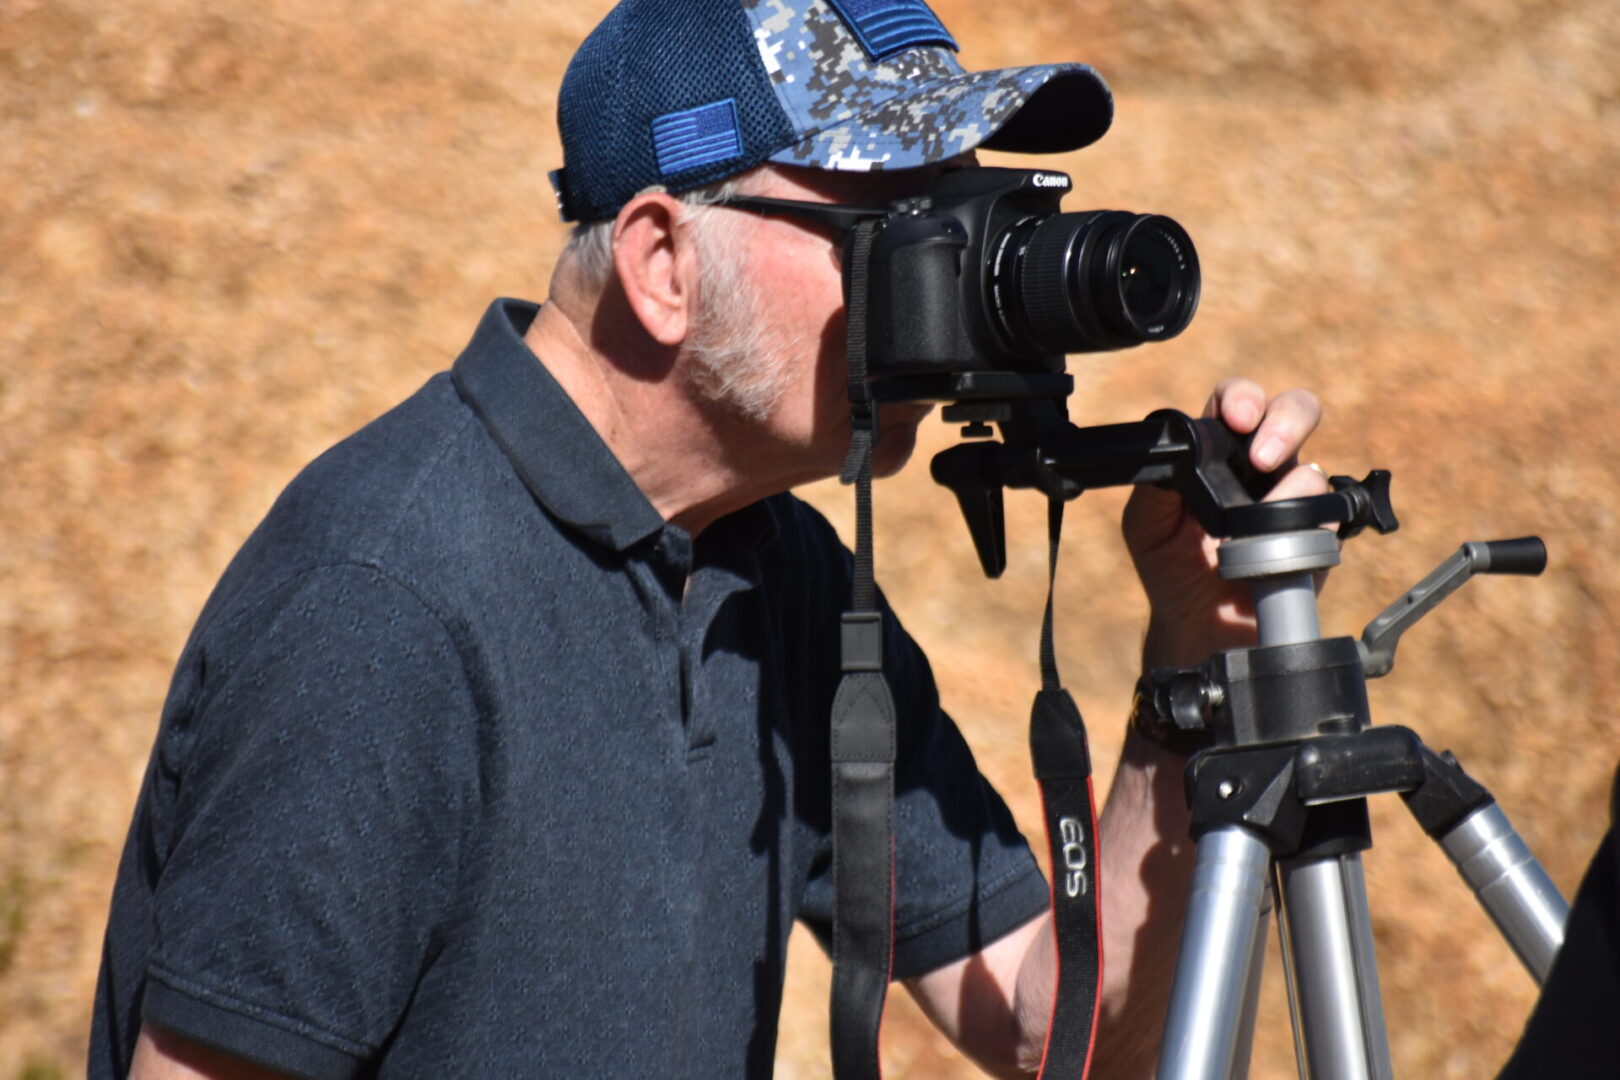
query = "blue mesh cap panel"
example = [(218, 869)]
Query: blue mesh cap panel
[(588, 119), (650, 59)]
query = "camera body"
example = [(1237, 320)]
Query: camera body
[(981, 286)]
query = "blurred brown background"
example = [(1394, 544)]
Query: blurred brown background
[(230, 233)]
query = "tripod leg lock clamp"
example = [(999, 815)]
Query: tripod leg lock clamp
[(1271, 789), (1251, 787), (1445, 795), (1338, 767)]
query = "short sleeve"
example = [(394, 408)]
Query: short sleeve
[(322, 792), (964, 873)]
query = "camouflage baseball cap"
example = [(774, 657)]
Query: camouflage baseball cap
[(684, 93)]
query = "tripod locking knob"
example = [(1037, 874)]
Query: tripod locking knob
[(1352, 504), (1173, 707), (1369, 503)]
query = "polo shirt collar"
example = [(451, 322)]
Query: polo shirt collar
[(559, 456)]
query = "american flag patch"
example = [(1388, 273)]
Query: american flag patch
[(885, 27), (696, 137)]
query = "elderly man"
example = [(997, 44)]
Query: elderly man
[(501, 747)]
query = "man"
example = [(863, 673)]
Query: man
[(501, 748)]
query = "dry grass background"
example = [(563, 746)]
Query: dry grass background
[(232, 232)]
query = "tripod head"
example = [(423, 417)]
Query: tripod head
[(1203, 460)]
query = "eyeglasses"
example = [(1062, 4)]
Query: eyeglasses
[(831, 215)]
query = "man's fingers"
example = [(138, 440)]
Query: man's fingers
[(1280, 426), (1239, 402), (1298, 482), (1289, 420)]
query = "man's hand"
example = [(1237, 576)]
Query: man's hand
[(996, 1004), (1147, 855), (1193, 612)]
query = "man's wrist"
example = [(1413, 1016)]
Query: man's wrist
[(1169, 646)]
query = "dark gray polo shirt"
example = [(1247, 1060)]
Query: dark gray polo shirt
[(474, 766)]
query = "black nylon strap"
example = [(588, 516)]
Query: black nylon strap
[(1054, 536), (1062, 758), (863, 748), (863, 871)]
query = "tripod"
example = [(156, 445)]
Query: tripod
[(1288, 754), (1283, 789)]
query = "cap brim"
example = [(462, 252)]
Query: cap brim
[(1036, 110)]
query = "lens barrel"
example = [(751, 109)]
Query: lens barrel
[(1095, 280)]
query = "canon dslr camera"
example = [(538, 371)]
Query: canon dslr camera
[(980, 287)]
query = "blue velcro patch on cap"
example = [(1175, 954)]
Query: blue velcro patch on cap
[(885, 27), (696, 137)]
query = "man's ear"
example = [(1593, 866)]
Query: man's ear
[(655, 258)]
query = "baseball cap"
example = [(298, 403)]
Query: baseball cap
[(684, 93)]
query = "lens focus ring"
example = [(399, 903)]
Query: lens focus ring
[(1044, 284)]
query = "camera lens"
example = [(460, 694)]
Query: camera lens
[(1151, 282), (1100, 279)]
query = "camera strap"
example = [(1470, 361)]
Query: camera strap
[(862, 746), (1062, 760), (863, 751)]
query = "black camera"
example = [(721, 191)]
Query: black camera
[(979, 288)]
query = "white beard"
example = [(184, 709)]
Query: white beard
[(734, 362)]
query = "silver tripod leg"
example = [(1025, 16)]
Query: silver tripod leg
[(1512, 887), (1243, 1048), (1333, 979), (1208, 998), (1251, 995)]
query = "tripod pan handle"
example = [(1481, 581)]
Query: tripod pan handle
[(1526, 555)]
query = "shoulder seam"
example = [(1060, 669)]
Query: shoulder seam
[(409, 498)]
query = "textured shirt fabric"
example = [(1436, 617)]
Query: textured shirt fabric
[(474, 766)]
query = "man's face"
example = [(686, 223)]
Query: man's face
[(789, 284)]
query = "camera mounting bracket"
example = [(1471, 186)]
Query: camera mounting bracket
[(1203, 460)]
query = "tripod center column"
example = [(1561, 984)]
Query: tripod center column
[(1281, 569)]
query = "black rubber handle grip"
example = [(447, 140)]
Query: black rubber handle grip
[(1526, 555)]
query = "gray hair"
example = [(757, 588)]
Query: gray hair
[(735, 363), (590, 246)]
